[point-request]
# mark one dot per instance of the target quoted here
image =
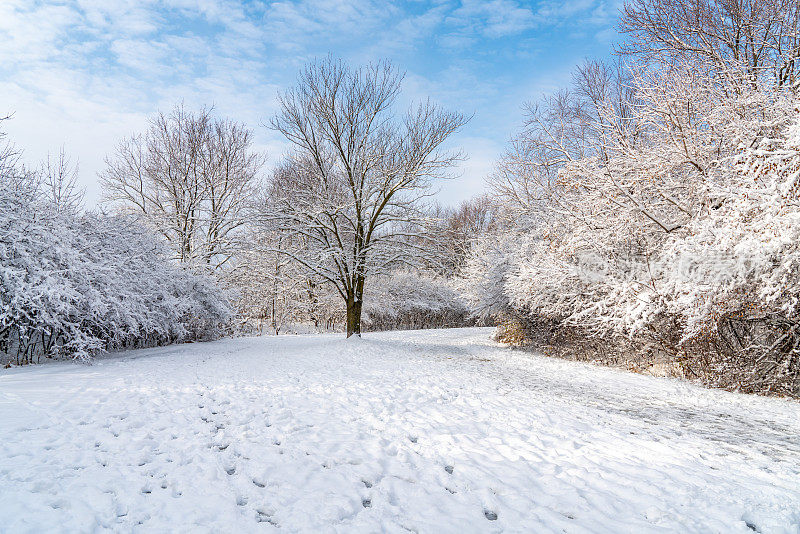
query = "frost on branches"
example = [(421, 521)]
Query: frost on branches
[(188, 178), (275, 294), (353, 190), (655, 202), (734, 279), (74, 284)]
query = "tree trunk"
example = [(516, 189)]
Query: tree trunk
[(355, 302)]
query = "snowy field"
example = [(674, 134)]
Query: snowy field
[(435, 431)]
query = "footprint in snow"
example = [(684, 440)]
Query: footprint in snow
[(449, 469), (264, 517), (412, 439), (366, 503), (367, 483), (491, 516), (230, 470)]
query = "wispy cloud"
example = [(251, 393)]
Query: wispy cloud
[(84, 73), (493, 18)]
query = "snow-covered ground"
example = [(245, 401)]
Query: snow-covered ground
[(435, 431)]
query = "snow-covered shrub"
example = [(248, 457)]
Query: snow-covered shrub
[(668, 225), (75, 284), (482, 278), (733, 278), (412, 300)]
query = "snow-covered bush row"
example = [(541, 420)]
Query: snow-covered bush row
[(74, 284), (713, 285), (657, 202), (411, 300), (734, 276)]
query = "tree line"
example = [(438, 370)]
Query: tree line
[(74, 283), (345, 208)]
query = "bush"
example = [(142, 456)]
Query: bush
[(72, 284), (413, 300)]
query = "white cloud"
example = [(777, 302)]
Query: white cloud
[(84, 73), (493, 18)]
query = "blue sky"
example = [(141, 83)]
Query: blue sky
[(86, 73)]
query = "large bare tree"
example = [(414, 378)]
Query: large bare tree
[(190, 177), (354, 184)]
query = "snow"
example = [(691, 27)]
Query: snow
[(423, 431)]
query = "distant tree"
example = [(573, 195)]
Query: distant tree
[(353, 186), (189, 177), (459, 228), (15, 176), (60, 180), (270, 286)]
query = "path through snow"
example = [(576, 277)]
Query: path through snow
[(435, 431)]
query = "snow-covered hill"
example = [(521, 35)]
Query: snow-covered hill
[(434, 431)]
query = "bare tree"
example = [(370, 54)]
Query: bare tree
[(60, 180), (459, 229), (190, 177), (271, 289), (572, 125), (354, 185), (8, 154), (13, 174)]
